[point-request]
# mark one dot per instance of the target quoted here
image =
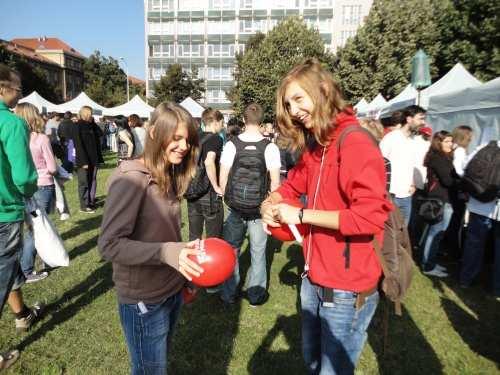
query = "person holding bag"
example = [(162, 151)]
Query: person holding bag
[(347, 207), (442, 186), (141, 236)]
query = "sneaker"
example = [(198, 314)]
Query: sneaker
[(24, 324), (260, 301), (435, 272), (64, 216), (440, 268), (8, 358), (87, 210), (36, 276)]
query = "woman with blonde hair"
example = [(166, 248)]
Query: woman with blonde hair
[(346, 209), (141, 236)]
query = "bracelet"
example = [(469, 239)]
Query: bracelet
[(301, 214)]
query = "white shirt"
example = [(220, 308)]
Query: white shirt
[(139, 134), (459, 160), (488, 209), (420, 172), (400, 150), (271, 154)]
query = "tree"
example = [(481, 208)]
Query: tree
[(267, 60), (33, 78), (176, 85), (470, 33), (105, 82), (378, 58)]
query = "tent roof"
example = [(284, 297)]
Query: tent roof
[(484, 96), (39, 101), (135, 105), (192, 106), (377, 102), (75, 104), (361, 105)]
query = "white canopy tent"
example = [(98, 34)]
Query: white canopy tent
[(192, 106), (361, 106), (40, 102), (408, 93), (75, 104), (477, 107), (135, 105), (457, 78), (374, 107)]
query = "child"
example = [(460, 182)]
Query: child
[(346, 208)]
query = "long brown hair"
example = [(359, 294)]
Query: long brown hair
[(326, 96), (29, 113), (164, 122), (436, 146)]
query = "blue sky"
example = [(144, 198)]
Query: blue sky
[(114, 27)]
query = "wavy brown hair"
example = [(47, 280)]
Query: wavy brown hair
[(436, 146), (163, 125), (326, 96), (29, 113)]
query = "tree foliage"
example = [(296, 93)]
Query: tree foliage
[(267, 60), (33, 78), (378, 58), (176, 85)]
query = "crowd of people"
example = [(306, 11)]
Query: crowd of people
[(243, 179)]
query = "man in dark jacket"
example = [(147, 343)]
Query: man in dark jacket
[(64, 132)]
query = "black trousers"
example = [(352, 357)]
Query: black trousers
[(207, 211), (85, 184)]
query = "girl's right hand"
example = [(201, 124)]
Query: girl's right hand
[(268, 213), (187, 267)]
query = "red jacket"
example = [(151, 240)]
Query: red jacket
[(360, 197)]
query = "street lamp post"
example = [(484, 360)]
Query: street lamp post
[(126, 68), (420, 74)]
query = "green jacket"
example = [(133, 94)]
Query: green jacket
[(18, 177)]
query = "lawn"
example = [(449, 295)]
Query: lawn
[(444, 329)]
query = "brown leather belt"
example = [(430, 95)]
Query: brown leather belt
[(362, 296), (329, 293)]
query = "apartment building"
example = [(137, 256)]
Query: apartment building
[(205, 35)]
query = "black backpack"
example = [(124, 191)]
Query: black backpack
[(200, 184), (482, 174), (248, 181)]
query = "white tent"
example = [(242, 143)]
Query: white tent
[(373, 109), (408, 93), (40, 102), (135, 105), (75, 104), (192, 106), (361, 106), (477, 107), (457, 78)]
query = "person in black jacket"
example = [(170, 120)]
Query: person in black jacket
[(64, 132), (442, 183), (88, 157)]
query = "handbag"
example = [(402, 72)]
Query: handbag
[(431, 209), (48, 243)]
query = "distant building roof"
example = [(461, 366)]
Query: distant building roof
[(136, 81), (46, 43), (26, 52)]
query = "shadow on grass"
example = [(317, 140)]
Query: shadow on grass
[(95, 285), (82, 226)]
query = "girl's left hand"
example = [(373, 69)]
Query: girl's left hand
[(287, 214)]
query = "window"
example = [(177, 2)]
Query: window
[(155, 72), (318, 3), (325, 25), (155, 28), (216, 96), (191, 4), (220, 73), (156, 50), (154, 4), (167, 28), (346, 34), (168, 5), (197, 50), (246, 4), (290, 4), (221, 50), (197, 27), (221, 27), (351, 14), (241, 48), (220, 4), (246, 26), (259, 25), (183, 27)]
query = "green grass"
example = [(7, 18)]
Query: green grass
[(444, 329)]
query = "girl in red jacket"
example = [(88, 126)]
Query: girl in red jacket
[(346, 208)]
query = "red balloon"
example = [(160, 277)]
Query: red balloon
[(217, 260), (283, 233)]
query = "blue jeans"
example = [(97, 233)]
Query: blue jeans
[(11, 245), (148, 332), (333, 336), (234, 231), (404, 205), (475, 242), (45, 197), (434, 236)]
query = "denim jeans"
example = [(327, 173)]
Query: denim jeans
[(11, 245), (148, 329), (234, 231), (434, 236), (475, 242), (205, 211), (333, 336), (404, 205), (45, 197)]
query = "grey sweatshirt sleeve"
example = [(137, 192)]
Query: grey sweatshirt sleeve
[(123, 203)]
